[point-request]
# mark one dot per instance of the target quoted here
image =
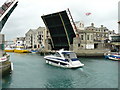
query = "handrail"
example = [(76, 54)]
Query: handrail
[(5, 6)]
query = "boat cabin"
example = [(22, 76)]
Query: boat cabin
[(67, 55)]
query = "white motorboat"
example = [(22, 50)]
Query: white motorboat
[(66, 59)]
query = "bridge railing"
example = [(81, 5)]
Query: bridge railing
[(5, 6)]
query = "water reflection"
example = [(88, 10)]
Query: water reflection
[(6, 81)]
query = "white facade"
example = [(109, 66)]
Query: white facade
[(79, 25), (29, 38), (35, 38), (40, 37), (93, 37), (90, 46), (19, 41)]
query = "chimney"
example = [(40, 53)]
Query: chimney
[(92, 24), (101, 25)]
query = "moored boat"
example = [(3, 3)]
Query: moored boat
[(34, 51), (8, 49), (5, 65), (21, 50), (66, 59), (112, 56)]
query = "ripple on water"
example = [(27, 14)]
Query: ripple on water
[(31, 71)]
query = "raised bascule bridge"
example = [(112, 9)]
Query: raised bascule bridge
[(5, 11), (62, 29)]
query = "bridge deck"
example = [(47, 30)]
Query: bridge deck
[(60, 29)]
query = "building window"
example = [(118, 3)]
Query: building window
[(79, 45), (87, 37), (81, 37)]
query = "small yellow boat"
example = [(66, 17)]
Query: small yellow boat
[(7, 49), (21, 49)]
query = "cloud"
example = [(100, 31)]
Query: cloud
[(27, 14)]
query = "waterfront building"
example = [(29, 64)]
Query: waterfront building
[(115, 39), (35, 38), (115, 42), (29, 38), (40, 37), (19, 41), (102, 33), (93, 37), (80, 25), (9, 43)]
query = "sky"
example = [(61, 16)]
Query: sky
[(27, 15)]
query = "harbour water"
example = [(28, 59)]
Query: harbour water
[(31, 71)]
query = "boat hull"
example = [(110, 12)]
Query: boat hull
[(106, 57), (9, 50), (21, 51), (62, 58), (34, 51), (62, 64), (113, 57)]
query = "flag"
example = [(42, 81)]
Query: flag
[(87, 14)]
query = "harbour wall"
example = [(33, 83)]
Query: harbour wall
[(5, 68), (92, 53), (83, 53)]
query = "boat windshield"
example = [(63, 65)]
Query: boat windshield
[(57, 54), (70, 55)]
